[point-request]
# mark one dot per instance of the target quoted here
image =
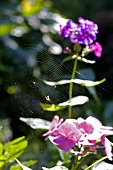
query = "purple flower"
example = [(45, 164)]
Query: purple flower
[(87, 23), (82, 33), (97, 49), (67, 30), (87, 31), (68, 136)]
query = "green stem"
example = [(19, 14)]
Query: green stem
[(96, 98), (77, 163), (71, 84), (103, 158)]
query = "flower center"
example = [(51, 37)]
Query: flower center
[(85, 34)]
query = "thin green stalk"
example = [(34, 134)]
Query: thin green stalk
[(77, 163), (96, 98), (100, 160), (71, 84)]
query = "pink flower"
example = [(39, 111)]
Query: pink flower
[(93, 130), (89, 135), (67, 136), (108, 147), (97, 49), (80, 135), (99, 128), (53, 126)]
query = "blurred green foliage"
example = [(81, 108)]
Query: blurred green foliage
[(12, 150), (27, 28)]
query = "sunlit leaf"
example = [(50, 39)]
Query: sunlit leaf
[(103, 165), (79, 100), (13, 29), (29, 7), (79, 58), (15, 148), (51, 107), (2, 158), (61, 82), (1, 149), (22, 166), (6, 28), (86, 61), (18, 167), (36, 123), (89, 83), (56, 168), (86, 83), (67, 59), (2, 164)]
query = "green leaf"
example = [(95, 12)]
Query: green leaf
[(30, 162), (79, 58), (2, 159), (6, 28), (35, 123), (18, 167), (22, 166), (15, 167), (86, 83), (61, 82), (56, 168), (67, 59), (11, 28), (51, 107), (79, 100), (85, 60), (1, 149), (29, 8), (2, 165), (89, 83), (14, 149)]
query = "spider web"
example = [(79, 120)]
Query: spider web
[(28, 74), (32, 64)]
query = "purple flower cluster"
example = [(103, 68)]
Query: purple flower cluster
[(82, 33), (82, 133)]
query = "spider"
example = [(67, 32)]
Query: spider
[(47, 98)]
